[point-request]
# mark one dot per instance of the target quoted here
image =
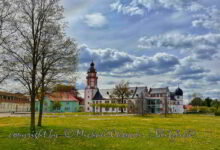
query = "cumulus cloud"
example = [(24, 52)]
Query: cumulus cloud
[(188, 70), (106, 59), (158, 64), (121, 65), (213, 78), (202, 46), (213, 93), (115, 63), (209, 20), (138, 7), (126, 9), (95, 20)]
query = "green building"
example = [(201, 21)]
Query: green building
[(60, 102)]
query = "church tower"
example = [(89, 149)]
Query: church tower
[(91, 87), (91, 77)]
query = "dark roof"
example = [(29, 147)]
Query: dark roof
[(98, 96), (92, 64), (172, 96), (92, 68), (179, 92)]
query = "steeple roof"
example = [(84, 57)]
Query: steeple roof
[(92, 68), (98, 96)]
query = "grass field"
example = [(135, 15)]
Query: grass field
[(152, 132)]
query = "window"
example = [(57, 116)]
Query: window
[(106, 109), (67, 108), (153, 106), (157, 101), (106, 102)]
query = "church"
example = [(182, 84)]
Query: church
[(142, 100)]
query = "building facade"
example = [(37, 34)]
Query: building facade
[(143, 100), (60, 102), (158, 100), (92, 94), (14, 102)]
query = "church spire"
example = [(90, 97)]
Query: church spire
[(91, 77)]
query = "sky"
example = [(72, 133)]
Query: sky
[(153, 43)]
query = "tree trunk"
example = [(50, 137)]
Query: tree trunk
[(166, 107), (42, 94), (122, 101), (41, 106), (33, 94), (32, 112)]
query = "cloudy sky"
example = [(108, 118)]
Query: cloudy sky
[(154, 43)]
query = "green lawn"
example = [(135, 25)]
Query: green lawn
[(185, 132)]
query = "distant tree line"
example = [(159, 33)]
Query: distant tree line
[(206, 102)]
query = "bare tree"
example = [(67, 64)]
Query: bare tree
[(121, 92), (58, 62), (6, 14), (24, 49)]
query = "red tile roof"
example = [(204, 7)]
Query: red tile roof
[(63, 96)]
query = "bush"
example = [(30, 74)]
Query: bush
[(212, 109), (217, 113), (81, 109), (203, 109), (194, 109)]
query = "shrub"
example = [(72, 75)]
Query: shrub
[(193, 109), (212, 109), (217, 113), (81, 109), (203, 109)]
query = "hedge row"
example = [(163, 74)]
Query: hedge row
[(202, 109), (110, 105), (217, 113)]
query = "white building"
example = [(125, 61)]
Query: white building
[(158, 97), (92, 94), (142, 99)]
